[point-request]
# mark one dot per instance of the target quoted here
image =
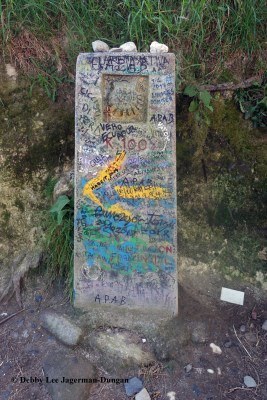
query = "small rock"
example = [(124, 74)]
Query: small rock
[(11, 71), (25, 334), (216, 349), (120, 349), (144, 340), (228, 344), (264, 325), (38, 298), (250, 382), (61, 327), (171, 395), (210, 371), (3, 314), (157, 47), (242, 328), (129, 46), (188, 368), (133, 386), (64, 185), (143, 395), (98, 45)]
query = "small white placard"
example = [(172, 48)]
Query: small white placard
[(232, 296)]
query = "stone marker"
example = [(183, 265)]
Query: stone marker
[(125, 182)]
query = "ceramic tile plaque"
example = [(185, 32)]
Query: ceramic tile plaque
[(125, 182)]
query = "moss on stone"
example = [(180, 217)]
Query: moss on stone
[(221, 188)]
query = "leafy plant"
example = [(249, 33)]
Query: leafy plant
[(200, 103), (59, 240), (253, 103)]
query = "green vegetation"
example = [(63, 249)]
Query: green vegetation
[(59, 241), (200, 104), (253, 103), (44, 37), (222, 218)]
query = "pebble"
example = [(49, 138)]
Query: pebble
[(264, 325), (242, 328), (171, 395), (133, 386), (129, 46), (25, 334), (250, 382), (143, 395), (188, 368), (98, 45), (210, 371), (216, 349), (157, 47), (38, 298)]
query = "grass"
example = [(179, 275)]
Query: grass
[(204, 30), (59, 238)]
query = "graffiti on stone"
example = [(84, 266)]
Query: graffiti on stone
[(125, 200)]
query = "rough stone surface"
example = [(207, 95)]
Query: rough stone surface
[(98, 45), (19, 268), (143, 395), (67, 364), (137, 268), (38, 144), (129, 47), (157, 47), (64, 185), (133, 386), (250, 382), (264, 325), (120, 349), (62, 328)]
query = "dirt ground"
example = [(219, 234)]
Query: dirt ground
[(24, 345)]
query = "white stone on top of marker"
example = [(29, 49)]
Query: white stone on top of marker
[(129, 46), (98, 45), (157, 47)]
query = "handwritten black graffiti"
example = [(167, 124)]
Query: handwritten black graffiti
[(106, 299), (131, 64), (167, 119)]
